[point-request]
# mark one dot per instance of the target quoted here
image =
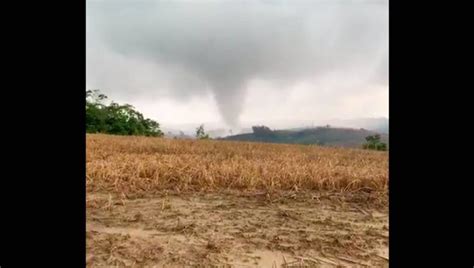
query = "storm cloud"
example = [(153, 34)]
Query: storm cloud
[(182, 49)]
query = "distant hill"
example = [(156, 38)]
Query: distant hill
[(375, 124), (345, 137), (219, 130)]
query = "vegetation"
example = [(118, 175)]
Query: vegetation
[(201, 134), (374, 143), (326, 135), (136, 165), (115, 118), (145, 194), (262, 131)]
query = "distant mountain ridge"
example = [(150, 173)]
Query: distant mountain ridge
[(215, 130), (374, 124), (329, 136)]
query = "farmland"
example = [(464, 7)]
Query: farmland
[(164, 202)]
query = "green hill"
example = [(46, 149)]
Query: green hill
[(345, 137)]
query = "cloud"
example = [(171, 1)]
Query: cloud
[(182, 49)]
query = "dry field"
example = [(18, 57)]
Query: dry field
[(154, 202)]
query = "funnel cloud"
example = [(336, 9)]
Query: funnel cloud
[(332, 53)]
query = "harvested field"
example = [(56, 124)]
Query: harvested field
[(154, 202), (149, 165)]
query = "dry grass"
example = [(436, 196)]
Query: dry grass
[(130, 165), (136, 218)]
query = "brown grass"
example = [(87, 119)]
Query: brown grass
[(130, 165)]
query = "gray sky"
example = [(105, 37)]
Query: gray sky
[(238, 61)]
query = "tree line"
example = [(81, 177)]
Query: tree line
[(118, 119)]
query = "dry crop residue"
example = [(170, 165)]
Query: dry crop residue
[(147, 207)]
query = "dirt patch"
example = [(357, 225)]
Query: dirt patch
[(228, 230)]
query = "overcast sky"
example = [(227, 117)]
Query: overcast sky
[(240, 61)]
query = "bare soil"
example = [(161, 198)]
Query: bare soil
[(237, 230)]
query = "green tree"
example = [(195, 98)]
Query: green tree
[(115, 118), (374, 143), (262, 131), (201, 134), (95, 111)]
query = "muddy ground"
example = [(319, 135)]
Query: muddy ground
[(237, 230)]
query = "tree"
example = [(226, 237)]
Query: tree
[(262, 131), (374, 143), (115, 118), (201, 134)]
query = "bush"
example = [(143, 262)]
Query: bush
[(374, 143)]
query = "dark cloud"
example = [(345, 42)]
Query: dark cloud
[(197, 46)]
